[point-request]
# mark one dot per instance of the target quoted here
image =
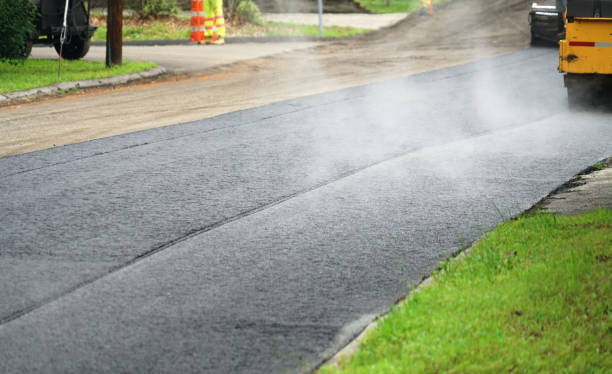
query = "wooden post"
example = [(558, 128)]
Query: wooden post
[(114, 27)]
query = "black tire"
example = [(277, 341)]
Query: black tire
[(76, 49), (575, 98), (535, 41)]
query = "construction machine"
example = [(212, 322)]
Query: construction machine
[(48, 27), (585, 55), (546, 22)]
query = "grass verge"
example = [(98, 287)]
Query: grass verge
[(534, 296), (38, 73), (173, 28), (395, 6)]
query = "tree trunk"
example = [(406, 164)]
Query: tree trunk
[(114, 27)]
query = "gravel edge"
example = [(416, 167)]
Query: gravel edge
[(90, 83)]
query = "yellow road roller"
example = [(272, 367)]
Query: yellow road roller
[(585, 56)]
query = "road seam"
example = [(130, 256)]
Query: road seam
[(299, 109), (195, 232)]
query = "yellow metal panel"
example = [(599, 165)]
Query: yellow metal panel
[(587, 60)]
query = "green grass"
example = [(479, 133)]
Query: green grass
[(534, 296), (292, 29), (395, 6), (37, 73), (600, 165), (157, 31), (176, 31)]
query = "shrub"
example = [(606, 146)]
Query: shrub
[(248, 11), (16, 25), (153, 8)]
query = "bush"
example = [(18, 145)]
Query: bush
[(153, 8), (248, 11), (16, 25)]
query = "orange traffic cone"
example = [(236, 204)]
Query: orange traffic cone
[(197, 21)]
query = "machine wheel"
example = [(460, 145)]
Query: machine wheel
[(535, 41), (583, 96), (575, 99), (76, 49)]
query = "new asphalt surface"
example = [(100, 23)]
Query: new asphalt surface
[(262, 240)]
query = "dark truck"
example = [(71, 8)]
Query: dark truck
[(49, 22), (546, 22)]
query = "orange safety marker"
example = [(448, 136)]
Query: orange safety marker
[(197, 21)]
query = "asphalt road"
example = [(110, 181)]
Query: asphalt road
[(261, 240)]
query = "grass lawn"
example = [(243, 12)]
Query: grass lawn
[(534, 296), (37, 73), (173, 28), (292, 29), (395, 6)]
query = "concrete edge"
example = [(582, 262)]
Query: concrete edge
[(90, 83)]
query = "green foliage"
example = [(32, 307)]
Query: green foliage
[(153, 8), (248, 11), (533, 296), (600, 165), (156, 8), (394, 6), (16, 24)]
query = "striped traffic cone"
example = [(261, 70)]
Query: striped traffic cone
[(197, 21)]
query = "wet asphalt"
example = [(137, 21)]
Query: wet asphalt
[(260, 241)]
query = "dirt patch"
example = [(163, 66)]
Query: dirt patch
[(460, 32), (590, 189)]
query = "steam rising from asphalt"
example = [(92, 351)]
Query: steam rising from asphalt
[(396, 117)]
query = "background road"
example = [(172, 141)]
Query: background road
[(189, 58), (461, 31), (261, 240)]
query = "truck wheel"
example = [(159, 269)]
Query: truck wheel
[(575, 100), (76, 49)]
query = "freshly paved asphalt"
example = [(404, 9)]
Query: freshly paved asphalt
[(261, 240)]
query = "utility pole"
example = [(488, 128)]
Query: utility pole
[(114, 27)]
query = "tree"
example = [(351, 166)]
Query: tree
[(114, 37), (16, 25)]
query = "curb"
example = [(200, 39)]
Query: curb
[(90, 83), (351, 348)]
